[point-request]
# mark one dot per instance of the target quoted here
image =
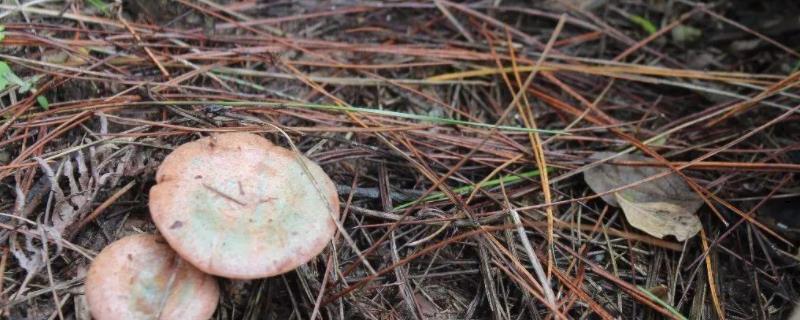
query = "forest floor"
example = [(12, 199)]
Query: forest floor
[(465, 140)]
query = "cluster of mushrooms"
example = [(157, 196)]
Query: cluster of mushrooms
[(232, 205)]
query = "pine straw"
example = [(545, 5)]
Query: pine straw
[(421, 115)]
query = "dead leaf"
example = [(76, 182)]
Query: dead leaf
[(660, 219), (661, 207)]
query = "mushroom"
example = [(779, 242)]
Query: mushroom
[(140, 277), (237, 206)]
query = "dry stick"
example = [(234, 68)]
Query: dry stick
[(53, 13), (318, 300), (453, 20), (146, 49), (3, 262), (22, 106), (536, 141), (717, 165), (711, 282), (523, 237), (583, 114), (527, 288), (597, 308), (786, 83), (605, 68), (206, 70), (77, 71), (49, 269), (265, 22), (526, 119), (519, 279), (175, 82), (69, 124), (605, 119), (348, 207), (540, 161)]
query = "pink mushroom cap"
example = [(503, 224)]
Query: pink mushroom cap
[(237, 206), (140, 277)]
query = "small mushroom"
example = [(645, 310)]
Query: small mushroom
[(237, 206), (140, 277)]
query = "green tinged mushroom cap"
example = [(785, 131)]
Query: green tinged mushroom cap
[(237, 206)]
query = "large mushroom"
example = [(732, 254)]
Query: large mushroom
[(237, 206), (140, 277)]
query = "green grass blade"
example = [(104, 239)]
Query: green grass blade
[(647, 25), (436, 196), (669, 308)]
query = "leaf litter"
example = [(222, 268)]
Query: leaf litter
[(401, 101), (661, 207)]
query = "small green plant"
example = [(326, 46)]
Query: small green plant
[(7, 76), (647, 25), (2, 32), (100, 5), (42, 100)]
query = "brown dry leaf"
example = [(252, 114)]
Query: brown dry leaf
[(661, 207), (660, 218)]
